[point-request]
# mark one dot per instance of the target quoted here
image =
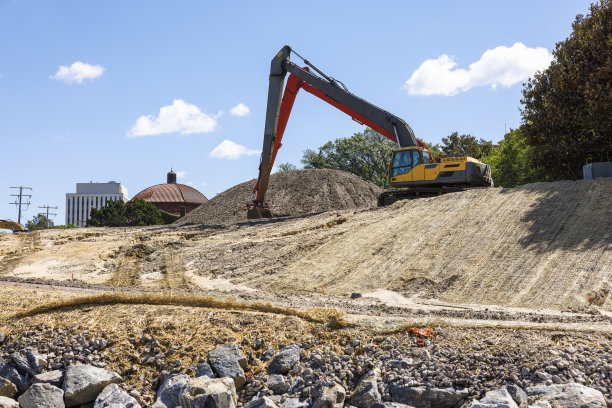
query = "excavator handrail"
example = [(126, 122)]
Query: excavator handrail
[(327, 89)]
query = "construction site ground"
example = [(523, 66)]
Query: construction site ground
[(503, 268)]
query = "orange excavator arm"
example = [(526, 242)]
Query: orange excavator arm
[(327, 89)]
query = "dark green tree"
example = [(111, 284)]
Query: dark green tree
[(286, 167), (135, 212), (567, 108), (365, 154), (511, 161), (457, 145), (38, 222)]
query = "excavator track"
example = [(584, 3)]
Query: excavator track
[(391, 196)]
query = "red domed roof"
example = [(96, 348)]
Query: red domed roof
[(171, 193)]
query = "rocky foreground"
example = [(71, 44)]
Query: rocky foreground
[(48, 367)]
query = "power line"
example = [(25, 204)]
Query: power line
[(19, 203), (47, 220)]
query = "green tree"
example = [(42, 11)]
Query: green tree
[(511, 161), (38, 222), (365, 154), (286, 167), (566, 115), (132, 213), (457, 145)]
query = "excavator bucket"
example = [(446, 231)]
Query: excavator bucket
[(255, 213)]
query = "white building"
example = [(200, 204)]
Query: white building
[(91, 195)]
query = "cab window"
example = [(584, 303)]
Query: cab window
[(402, 162), (425, 157)]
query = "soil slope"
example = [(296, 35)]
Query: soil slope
[(289, 193), (543, 245)]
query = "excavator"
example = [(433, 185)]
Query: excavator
[(12, 225), (412, 170)]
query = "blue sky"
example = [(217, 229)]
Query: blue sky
[(443, 66)]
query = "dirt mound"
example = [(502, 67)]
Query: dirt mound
[(289, 193)]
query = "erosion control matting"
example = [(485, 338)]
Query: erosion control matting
[(290, 193)]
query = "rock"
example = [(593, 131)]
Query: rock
[(168, 393), (518, 395), (355, 295), (205, 392), (426, 397), (29, 361), (7, 388), (263, 402), (540, 404), (42, 396), (295, 403), (204, 370), (568, 395), (114, 397), (6, 402), (83, 383), (388, 404), (229, 361), (499, 398), (268, 354), (285, 359), (10, 373), (329, 397), (2, 337), (276, 383), (366, 391), (55, 377)]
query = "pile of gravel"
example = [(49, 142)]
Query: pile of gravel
[(289, 193), (309, 374)]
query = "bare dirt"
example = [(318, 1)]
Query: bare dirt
[(290, 193), (495, 267)]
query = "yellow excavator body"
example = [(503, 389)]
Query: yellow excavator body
[(12, 225)]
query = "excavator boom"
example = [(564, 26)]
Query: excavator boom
[(327, 89)]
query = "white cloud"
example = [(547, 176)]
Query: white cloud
[(181, 174), (180, 117), (189, 183), (240, 110), (230, 150), (78, 72), (505, 66)]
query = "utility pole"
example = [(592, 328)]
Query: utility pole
[(47, 221), (18, 203)]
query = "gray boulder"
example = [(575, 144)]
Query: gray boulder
[(366, 391), (229, 361), (29, 361), (427, 397), (329, 397), (83, 383), (10, 373), (571, 395), (518, 395), (204, 370), (7, 388), (263, 402), (168, 393), (540, 404), (6, 402), (114, 397), (499, 398), (276, 383), (55, 377), (205, 392), (42, 396), (285, 359), (295, 403)]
